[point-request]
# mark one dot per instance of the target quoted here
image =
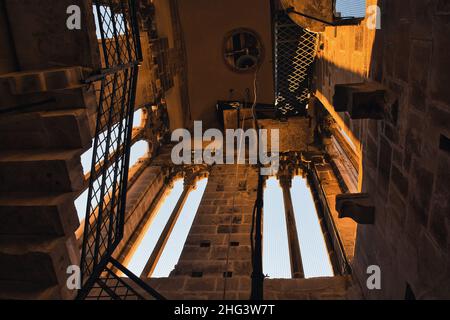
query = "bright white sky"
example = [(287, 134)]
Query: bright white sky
[(154, 230), (175, 244), (138, 150), (351, 8), (276, 259), (276, 263), (180, 232), (316, 261)]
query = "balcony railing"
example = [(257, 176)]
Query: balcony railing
[(116, 83)]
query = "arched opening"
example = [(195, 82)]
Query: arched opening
[(138, 150), (350, 8), (315, 258), (86, 160), (137, 118), (154, 228), (178, 235), (276, 257), (106, 18), (80, 205)]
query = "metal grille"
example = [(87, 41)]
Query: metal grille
[(108, 181), (112, 287), (116, 90), (116, 27), (295, 51)]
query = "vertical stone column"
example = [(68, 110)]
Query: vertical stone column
[(189, 184), (294, 246)]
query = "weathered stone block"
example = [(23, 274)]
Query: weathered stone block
[(25, 214), (36, 265), (36, 171), (203, 284), (33, 48), (399, 180), (421, 191), (68, 129), (360, 100), (439, 79)]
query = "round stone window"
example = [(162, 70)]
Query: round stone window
[(242, 50)]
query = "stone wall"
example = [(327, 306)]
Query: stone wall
[(45, 127), (345, 227), (405, 162), (47, 122), (334, 288), (218, 246), (7, 55), (140, 197), (205, 24), (202, 267), (34, 23)]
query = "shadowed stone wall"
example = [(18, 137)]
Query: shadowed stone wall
[(406, 165)]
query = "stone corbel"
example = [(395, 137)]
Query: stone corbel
[(365, 100), (357, 206)]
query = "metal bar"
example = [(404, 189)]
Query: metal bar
[(295, 50), (116, 36), (291, 10), (257, 292), (127, 143), (104, 73), (103, 175), (113, 157), (110, 292), (118, 145), (92, 180), (102, 32), (135, 31), (111, 169), (130, 55), (122, 282), (133, 277)]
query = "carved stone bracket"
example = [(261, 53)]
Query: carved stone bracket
[(191, 174), (356, 206), (364, 100)]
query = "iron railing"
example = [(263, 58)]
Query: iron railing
[(115, 84), (113, 287)]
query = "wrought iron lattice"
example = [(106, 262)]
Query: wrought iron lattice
[(108, 180), (295, 51), (112, 287), (118, 31), (116, 91)]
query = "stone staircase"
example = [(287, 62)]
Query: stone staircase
[(40, 176), (47, 120)]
